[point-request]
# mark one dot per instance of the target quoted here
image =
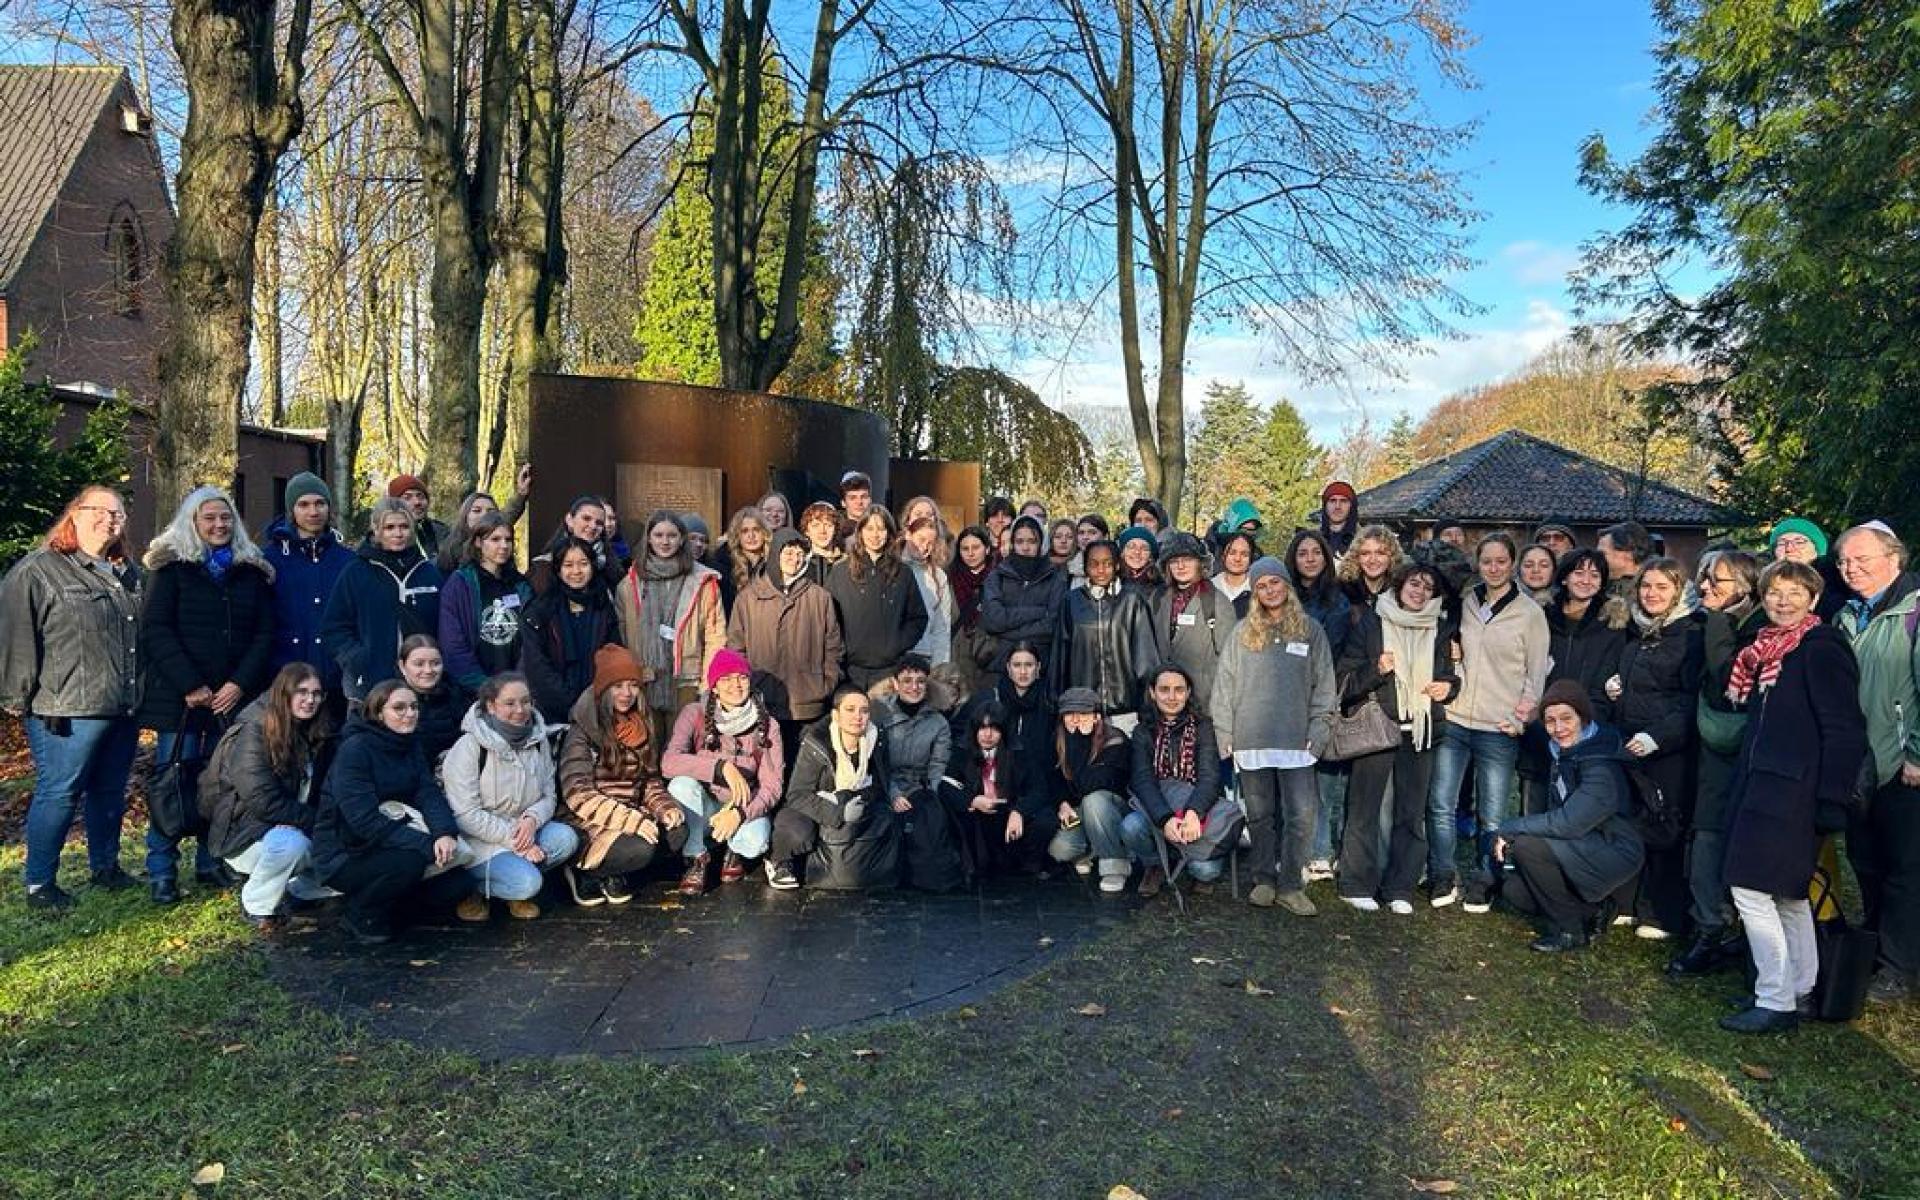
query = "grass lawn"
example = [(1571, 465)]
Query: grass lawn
[(1232, 1054)]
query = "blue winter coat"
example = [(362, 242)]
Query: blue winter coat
[(304, 572), (373, 609), (375, 765)]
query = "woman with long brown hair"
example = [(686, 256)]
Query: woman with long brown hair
[(671, 618), (260, 788), (882, 616), (68, 637)]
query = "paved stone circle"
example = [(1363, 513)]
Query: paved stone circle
[(741, 967)]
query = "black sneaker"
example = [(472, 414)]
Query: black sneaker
[(1761, 1020), (113, 879), (1889, 987), (219, 878), (49, 897), (1479, 897), (780, 876), (615, 888), (164, 891), (1558, 943), (586, 889), (366, 931)]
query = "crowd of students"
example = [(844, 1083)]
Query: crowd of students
[(839, 698)]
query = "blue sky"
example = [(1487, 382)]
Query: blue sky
[(1549, 74)]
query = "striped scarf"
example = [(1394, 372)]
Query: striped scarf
[(1758, 665)]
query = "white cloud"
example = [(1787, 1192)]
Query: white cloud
[(1435, 369), (1537, 264)]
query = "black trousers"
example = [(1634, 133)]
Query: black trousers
[(1362, 870), (794, 834), (380, 884), (1661, 895), (984, 837), (630, 853), (1884, 848), (1544, 889)]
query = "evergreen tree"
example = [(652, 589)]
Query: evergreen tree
[(40, 477), (1293, 463), (1400, 452)]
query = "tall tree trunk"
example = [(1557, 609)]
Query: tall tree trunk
[(268, 296), (243, 109), (535, 249)]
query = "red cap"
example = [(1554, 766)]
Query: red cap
[(400, 485), (1338, 487)]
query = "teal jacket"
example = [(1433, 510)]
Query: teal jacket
[(1889, 676)]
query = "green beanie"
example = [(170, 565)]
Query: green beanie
[(305, 484), (1805, 528)]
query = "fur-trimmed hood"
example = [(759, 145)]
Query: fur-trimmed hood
[(163, 554)]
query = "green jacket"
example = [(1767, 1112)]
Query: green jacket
[(1889, 677)]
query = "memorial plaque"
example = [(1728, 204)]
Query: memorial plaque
[(643, 488)]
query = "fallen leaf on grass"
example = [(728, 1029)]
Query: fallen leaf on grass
[(1756, 1071), (1677, 1125), (670, 905), (382, 1005), (344, 1059), (176, 943), (1254, 989), (1173, 1114), (233, 1047), (1090, 1009), (867, 1052), (1337, 1011), (210, 1174), (1342, 937), (799, 1087), (1122, 1192), (1201, 960), (966, 1012), (681, 929), (1469, 997), (354, 1114), (1435, 1187), (735, 956)]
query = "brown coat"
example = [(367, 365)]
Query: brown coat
[(793, 640), (607, 789)]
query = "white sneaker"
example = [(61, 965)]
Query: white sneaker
[(1113, 885), (1400, 908), (1624, 919), (1319, 869), (1447, 897), (1083, 866), (1651, 933), (1362, 903)]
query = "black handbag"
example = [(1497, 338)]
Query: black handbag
[(173, 804), (1366, 730), (1834, 816), (1847, 960), (1660, 821)]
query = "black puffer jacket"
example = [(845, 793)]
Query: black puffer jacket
[(375, 765), (246, 797), (1105, 644), (195, 633), (1659, 683), (555, 676), (1588, 650), (1021, 603)]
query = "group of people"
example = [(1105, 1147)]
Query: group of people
[(849, 700)]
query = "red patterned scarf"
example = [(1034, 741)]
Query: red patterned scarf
[(1175, 743), (1759, 664)]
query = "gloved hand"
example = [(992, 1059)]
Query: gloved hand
[(853, 805)]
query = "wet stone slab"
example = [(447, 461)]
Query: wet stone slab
[(661, 977)]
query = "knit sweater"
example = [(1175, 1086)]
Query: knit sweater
[(1280, 697), (1503, 659)]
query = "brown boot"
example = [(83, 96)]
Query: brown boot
[(694, 881), (734, 869)]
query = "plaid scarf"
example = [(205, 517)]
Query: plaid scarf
[(1758, 665)]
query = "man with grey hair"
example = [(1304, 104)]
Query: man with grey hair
[(1884, 843)]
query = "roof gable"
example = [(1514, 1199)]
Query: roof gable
[(1516, 477), (46, 116)]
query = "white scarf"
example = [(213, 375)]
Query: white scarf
[(849, 772), (1681, 610), (1409, 635), (736, 722)]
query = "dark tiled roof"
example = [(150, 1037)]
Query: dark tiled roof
[(46, 115), (1516, 477)]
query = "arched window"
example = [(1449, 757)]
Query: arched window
[(128, 251)]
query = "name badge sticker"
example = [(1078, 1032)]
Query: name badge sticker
[(1299, 648), (1186, 619), (666, 633)]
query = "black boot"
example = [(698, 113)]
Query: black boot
[(1706, 954)]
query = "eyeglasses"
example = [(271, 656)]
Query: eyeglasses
[(1859, 560), (111, 514), (310, 693), (1792, 541), (403, 707)]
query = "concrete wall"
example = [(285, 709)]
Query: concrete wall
[(582, 428), (66, 290)]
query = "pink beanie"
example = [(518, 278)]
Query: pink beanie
[(727, 662)]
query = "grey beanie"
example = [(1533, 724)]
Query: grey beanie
[(305, 484), (1267, 565), (696, 523)]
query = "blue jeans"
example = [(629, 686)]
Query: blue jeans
[(1098, 834), (163, 853), (90, 762), (1206, 857), (1331, 827), (748, 841), (1493, 756), (510, 877), (271, 865)]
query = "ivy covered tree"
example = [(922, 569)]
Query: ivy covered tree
[(40, 476), (1784, 163)]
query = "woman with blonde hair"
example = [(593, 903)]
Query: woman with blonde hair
[(1273, 703), (742, 554), (206, 650), (1370, 564), (68, 627)]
